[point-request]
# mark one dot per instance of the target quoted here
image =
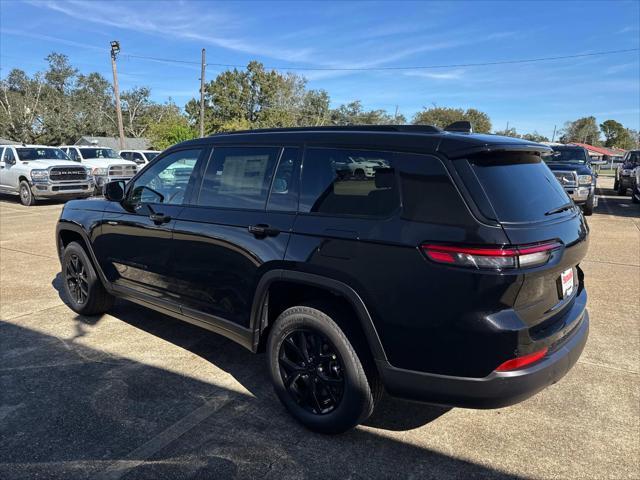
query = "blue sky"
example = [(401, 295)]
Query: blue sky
[(530, 97)]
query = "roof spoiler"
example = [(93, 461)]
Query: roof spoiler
[(461, 126)]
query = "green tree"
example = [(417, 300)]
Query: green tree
[(535, 137), (259, 99), (21, 106), (354, 114), (93, 105), (616, 135), (58, 112), (443, 116), (171, 129), (507, 132), (583, 130)]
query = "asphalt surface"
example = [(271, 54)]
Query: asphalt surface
[(136, 395)]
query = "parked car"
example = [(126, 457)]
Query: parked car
[(439, 279), (359, 167), (141, 157), (36, 172), (105, 164), (624, 172), (571, 165), (635, 188)]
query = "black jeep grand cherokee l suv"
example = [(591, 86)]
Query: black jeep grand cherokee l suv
[(447, 273)]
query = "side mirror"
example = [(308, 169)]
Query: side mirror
[(10, 161), (114, 191)]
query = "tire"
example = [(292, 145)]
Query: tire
[(587, 208), (359, 174), (635, 197), (615, 184), (26, 195), (83, 290), (342, 386), (622, 190)]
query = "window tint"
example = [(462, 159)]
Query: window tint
[(8, 154), (348, 182), (428, 194), (73, 154), (238, 177), (167, 181), (520, 187), (284, 189)]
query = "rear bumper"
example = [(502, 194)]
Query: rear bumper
[(498, 389)]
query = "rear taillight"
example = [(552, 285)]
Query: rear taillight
[(521, 362), (491, 258)]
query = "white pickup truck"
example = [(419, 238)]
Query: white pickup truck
[(105, 163), (38, 171)]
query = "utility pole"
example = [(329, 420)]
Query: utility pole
[(115, 49), (202, 93), (553, 137)]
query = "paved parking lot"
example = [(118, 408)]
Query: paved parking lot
[(135, 395)]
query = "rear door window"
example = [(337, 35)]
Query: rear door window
[(284, 189), (341, 182), (239, 177), (520, 186)]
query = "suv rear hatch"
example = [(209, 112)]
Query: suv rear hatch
[(518, 191)]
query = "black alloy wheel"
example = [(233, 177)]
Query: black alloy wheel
[(312, 371), (76, 278)]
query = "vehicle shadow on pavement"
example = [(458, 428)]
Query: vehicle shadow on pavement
[(391, 413), (70, 411), (610, 203)]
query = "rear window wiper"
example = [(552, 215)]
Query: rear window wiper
[(559, 209)]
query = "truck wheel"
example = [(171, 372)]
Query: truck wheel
[(621, 190), (587, 208), (615, 184), (26, 195), (83, 290), (317, 374)]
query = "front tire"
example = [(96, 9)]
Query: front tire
[(26, 195), (622, 190), (83, 290), (317, 374), (587, 208)]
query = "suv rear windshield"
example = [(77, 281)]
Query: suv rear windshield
[(520, 186)]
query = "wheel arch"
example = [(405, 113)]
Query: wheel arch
[(67, 232), (261, 320)]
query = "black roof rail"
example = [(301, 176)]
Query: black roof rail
[(344, 128)]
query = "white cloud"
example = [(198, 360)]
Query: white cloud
[(437, 75), (184, 25)]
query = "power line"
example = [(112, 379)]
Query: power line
[(414, 67)]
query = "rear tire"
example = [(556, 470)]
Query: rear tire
[(587, 208), (83, 290), (622, 190), (317, 374), (26, 195)]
